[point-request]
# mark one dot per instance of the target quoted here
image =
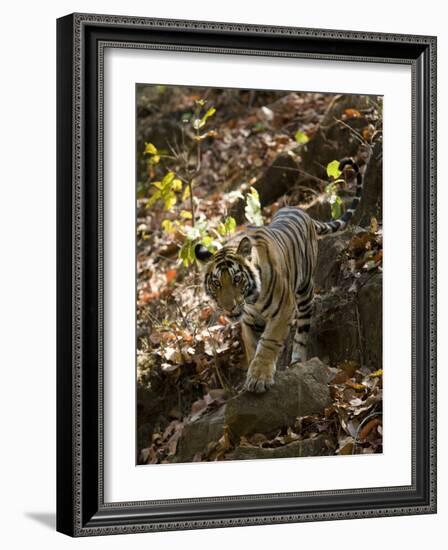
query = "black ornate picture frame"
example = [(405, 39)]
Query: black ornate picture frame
[(81, 508)]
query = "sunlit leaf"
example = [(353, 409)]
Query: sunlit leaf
[(168, 178), (208, 114), (352, 113), (227, 227), (176, 185), (333, 169), (207, 241), (153, 198), (253, 207), (186, 193), (168, 226), (186, 252), (376, 374), (200, 122), (186, 215), (170, 200), (336, 206), (301, 137), (150, 149)]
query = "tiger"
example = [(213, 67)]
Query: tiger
[(263, 278)]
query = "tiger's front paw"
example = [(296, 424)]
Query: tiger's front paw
[(260, 377)]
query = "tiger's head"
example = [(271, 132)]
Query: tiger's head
[(232, 278)]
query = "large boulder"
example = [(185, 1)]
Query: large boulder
[(197, 434), (299, 391), (334, 335), (371, 205), (370, 307), (330, 256), (346, 324)]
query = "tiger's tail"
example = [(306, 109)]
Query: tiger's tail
[(322, 228)]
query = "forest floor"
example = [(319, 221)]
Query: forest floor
[(189, 357)]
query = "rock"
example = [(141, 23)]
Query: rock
[(298, 391), (334, 335), (198, 434), (370, 307), (307, 447), (371, 205), (329, 257), (347, 325), (144, 433)]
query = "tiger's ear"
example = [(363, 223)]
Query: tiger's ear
[(202, 253), (245, 247)]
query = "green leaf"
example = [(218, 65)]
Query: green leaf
[(208, 114), (155, 159), (150, 149), (200, 122), (169, 200), (186, 215), (176, 185), (186, 253), (186, 193), (301, 137), (336, 206), (253, 208), (227, 227), (207, 241), (168, 226), (153, 198), (167, 179), (333, 169)]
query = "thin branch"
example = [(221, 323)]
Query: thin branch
[(353, 131), (303, 173), (192, 210)]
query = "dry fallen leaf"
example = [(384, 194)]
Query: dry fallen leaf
[(369, 426)]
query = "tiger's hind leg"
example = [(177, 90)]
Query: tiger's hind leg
[(304, 311)]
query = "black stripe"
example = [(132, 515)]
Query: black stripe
[(280, 303), (271, 292)]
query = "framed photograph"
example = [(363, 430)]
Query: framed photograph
[(246, 274)]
